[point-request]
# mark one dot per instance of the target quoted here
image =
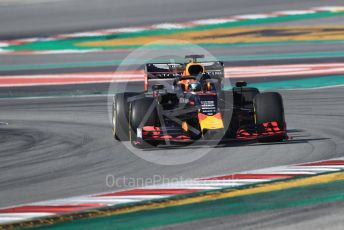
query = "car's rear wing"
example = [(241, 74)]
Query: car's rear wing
[(161, 73), (158, 72), (215, 69), (163, 70)]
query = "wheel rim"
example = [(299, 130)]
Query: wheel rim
[(114, 115)]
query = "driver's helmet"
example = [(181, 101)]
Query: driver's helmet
[(195, 87)]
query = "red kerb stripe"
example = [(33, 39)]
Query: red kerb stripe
[(50, 208), (150, 192)]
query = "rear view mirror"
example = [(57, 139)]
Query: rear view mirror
[(157, 87), (241, 83)]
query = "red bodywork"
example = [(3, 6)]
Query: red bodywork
[(266, 130)]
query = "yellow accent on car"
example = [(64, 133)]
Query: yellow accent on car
[(210, 122), (193, 68), (185, 126)]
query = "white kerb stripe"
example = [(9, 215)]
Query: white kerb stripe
[(184, 186), (312, 168), (15, 217), (213, 21), (126, 30), (168, 26), (253, 16), (295, 12), (324, 166), (294, 172), (329, 8), (241, 180), (83, 34), (3, 44)]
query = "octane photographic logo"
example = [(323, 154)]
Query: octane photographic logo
[(166, 153), (136, 182)]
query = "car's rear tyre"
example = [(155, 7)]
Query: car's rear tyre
[(120, 116), (244, 96), (268, 108), (142, 112)]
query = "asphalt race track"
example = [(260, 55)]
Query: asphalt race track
[(57, 147), (53, 148)]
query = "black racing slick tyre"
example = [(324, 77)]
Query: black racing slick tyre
[(226, 108), (142, 112), (268, 108), (120, 116), (243, 97)]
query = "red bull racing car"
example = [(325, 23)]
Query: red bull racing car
[(193, 101)]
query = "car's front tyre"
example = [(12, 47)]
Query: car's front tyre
[(120, 116), (142, 113), (268, 107)]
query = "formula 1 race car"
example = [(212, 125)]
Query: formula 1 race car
[(188, 102)]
